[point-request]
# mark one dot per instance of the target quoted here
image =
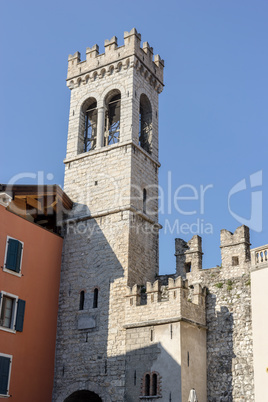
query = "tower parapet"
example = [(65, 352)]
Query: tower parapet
[(188, 255), (116, 58), (183, 303), (235, 247)]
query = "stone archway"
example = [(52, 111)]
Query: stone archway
[(83, 396)]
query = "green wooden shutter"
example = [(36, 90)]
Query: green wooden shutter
[(20, 315), (4, 374), (13, 255)]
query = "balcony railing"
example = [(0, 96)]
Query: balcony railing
[(260, 255)]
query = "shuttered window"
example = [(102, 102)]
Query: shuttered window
[(11, 307), (5, 362), (13, 255), (20, 315)]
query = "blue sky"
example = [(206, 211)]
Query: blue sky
[(213, 110)]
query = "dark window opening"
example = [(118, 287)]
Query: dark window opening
[(82, 300), (235, 261), (90, 133), (187, 267), (147, 385), (188, 359), (95, 299), (145, 124), (105, 367), (112, 121), (154, 385), (144, 200)]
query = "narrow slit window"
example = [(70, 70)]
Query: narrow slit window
[(82, 300), (144, 200), (95, 298)]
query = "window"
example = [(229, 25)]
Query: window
[(5, 369), (147, 384), (112, 118), (150, 386), (11, 312), (95, 299), (144, 200), (82, 300), (154, 384), (187, 267), (13, 256), (91, 117), (145, 126), (235, 261)]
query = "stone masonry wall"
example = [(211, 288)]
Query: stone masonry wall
[(90, 342), (229, 320)]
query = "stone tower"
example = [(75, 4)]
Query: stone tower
[(111, 238)]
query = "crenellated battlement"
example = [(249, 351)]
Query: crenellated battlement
[(181, 302), (235, 247), (188, 255), (116, 59)]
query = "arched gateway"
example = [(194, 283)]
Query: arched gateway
[(83, 396)]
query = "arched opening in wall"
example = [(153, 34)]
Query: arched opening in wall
[(151, 386), (90, 119), (147, 385), (154, 384), (95, 298), (112, 118), (145, 124), (82, 300), (83, 396)]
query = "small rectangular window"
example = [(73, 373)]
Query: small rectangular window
[(187, 267), (235, 261), (11, 312), (5, 369), (13, 256)]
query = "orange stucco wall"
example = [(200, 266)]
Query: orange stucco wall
[(32, 349)]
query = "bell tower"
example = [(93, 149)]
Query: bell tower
[(111, 238)]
